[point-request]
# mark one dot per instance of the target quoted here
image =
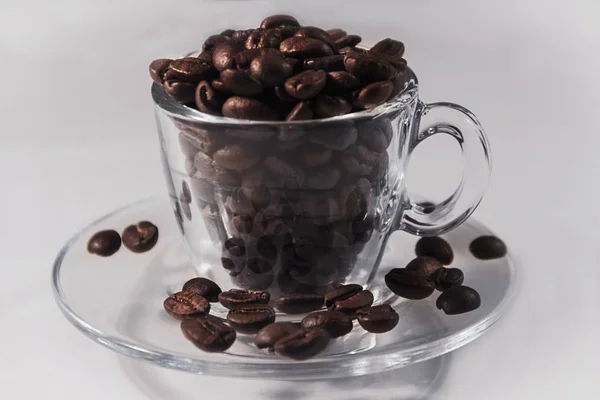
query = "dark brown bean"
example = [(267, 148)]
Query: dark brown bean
[(315, 155), (104, 243), (186, 305), (302, 111), (241, 35), (435, 247), (207, 57), (316, 33), (341, 293), (341, 82), (140, 237), (246, 108), (271, 70), (488, 248), (271, 334), (390, 47), (337, 33), (271, 38), (250, 318), (212, 41), (207, 100), (182, 92), (458, 300), (306, 84), (291, 176), (331, 106), (335, 323), (378, 319), (209, 334), (158, 68), (236, 157), (373, 95), (376, 135), (409, 284), (424, 265), (322, 178), (351, 304), (237, 297), (276, 20), (303, 344), (446, 278), (303, 47), (224, 56), (253, 40), (240, 83), (204, 287), (190, 69), (337, 137), (330, 63), (348, 41), (227, 32), (368, 67), (298, 303)]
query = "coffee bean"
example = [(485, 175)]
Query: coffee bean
[(369, 68), (336, 33), (348, 41), (236, 157), (389, 46), (235, 247), (241, 35), (446, 278), (359, 160), (224, 56), (253, 40), (209, 334), (237, 297), (240, 83), (488, 248), (341, 293), (306, 84), (227, 32), (298, 303), (104, 243), (322, 178), (271, 38), (458, 300), (207, 99), (206, 56), (182, 92), (397, 62), (271, 334), (378, 319), (409, 284), (375, 135), (277, 20), (373, 95), (302, 344), (356, 199), (303, 47), (245, 57), (190, 69), (291, 176), (331, 106), (204, 287), (337, 137), (301, 112), (316, 33), (212, 41), (186, 305), (315, 155), (435, 247), (341, 82), (245, 108), (351, 304), (335, 323), (219, 86), (271, 70), (329, 63), (424, 265), (250, 318), (140, 237), (158, 68)]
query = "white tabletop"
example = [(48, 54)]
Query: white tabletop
[(78, 140)]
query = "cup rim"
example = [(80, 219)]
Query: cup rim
[(168, 105)]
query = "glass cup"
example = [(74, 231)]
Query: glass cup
[(301, 207)]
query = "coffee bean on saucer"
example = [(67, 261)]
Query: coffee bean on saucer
[(341, 293), (435, 247), (351, 304), (238, 297), (306, 85), (303, 47), (336, 33), (204, 287), (250, 318), (373, 95), (446, 278), (158, 68), (378, 319), (278, 20), (209, 334), (327, 64), (140, 237), (185, 305), (270, 70), (240, 83), (298, 303), (331, 106), (104, 243), (302, 344), (348, 41), (182, 92), (424, 265), (335, 323), (270, 334), (246, 108), (458, 300), (488, 248), (409, 284), (301, 112)]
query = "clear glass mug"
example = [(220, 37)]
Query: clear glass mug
[(305, 206)]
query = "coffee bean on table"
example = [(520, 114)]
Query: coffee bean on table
[(435, 247), (327, 64), (250, 318), (182, 92), (424, 265), (409, 284), (488, 248), (341, 82), (236, 157), (238, 297), (204, 287), (336, 33), (158, 68), (302, 344), (331, 106), (348, 41), (271, 70), (458, 300), (369, 67), (373, 95), (306, 84), (272, 333), (277, 20), (140, 237), (246, 108), (104, 243), (302, 111), (351, 304), (209, 334), (341, 293), (298, 303), (445, 278), (185, 305), (303, 47), (335, 323), (378, 319), (240, 83), (389, 46)]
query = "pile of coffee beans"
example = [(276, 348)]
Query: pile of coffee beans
[(138, 238), (284, 71)]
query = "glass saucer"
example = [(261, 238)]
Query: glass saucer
[(117, 302)]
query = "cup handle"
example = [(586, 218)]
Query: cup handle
[(460, 123)]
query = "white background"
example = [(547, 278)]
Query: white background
[(78, 139)]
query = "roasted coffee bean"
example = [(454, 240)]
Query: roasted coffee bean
[(373, 95), (271, 38), (322, 208), (351, 304), (315, 155), (206, 56), (245, 108), (182, 92), (341, 293), (322, 178), (369, 68), (358, 160), (190, 69), (219, 86), (424, 265), (224, 55), (348, 41), (241, 35), (303, 47), (378, 319), (245, 57), (301, 112), (271, 70), (250, 318), (341, 82), (186, 305), (240, 83), (316, 33), (435, 247), (237, 297), (140, 237), (227, 32), (409, 284), (331, 106), (302, 344), (375, 135), (488, 248), (204, 287), (389, 46), (446, 278), (158, 68), (277, 20), (187, 210), (207, 99), (209, 334), (291, 176), (335, 323), (330, 63), (212, 41), (233, 255), (236, 157), (298, 303), (282, 98), (104, 243), (253, 40), (337, 137), (306, 84), (458, 300), (336, 33), (271, 334)]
